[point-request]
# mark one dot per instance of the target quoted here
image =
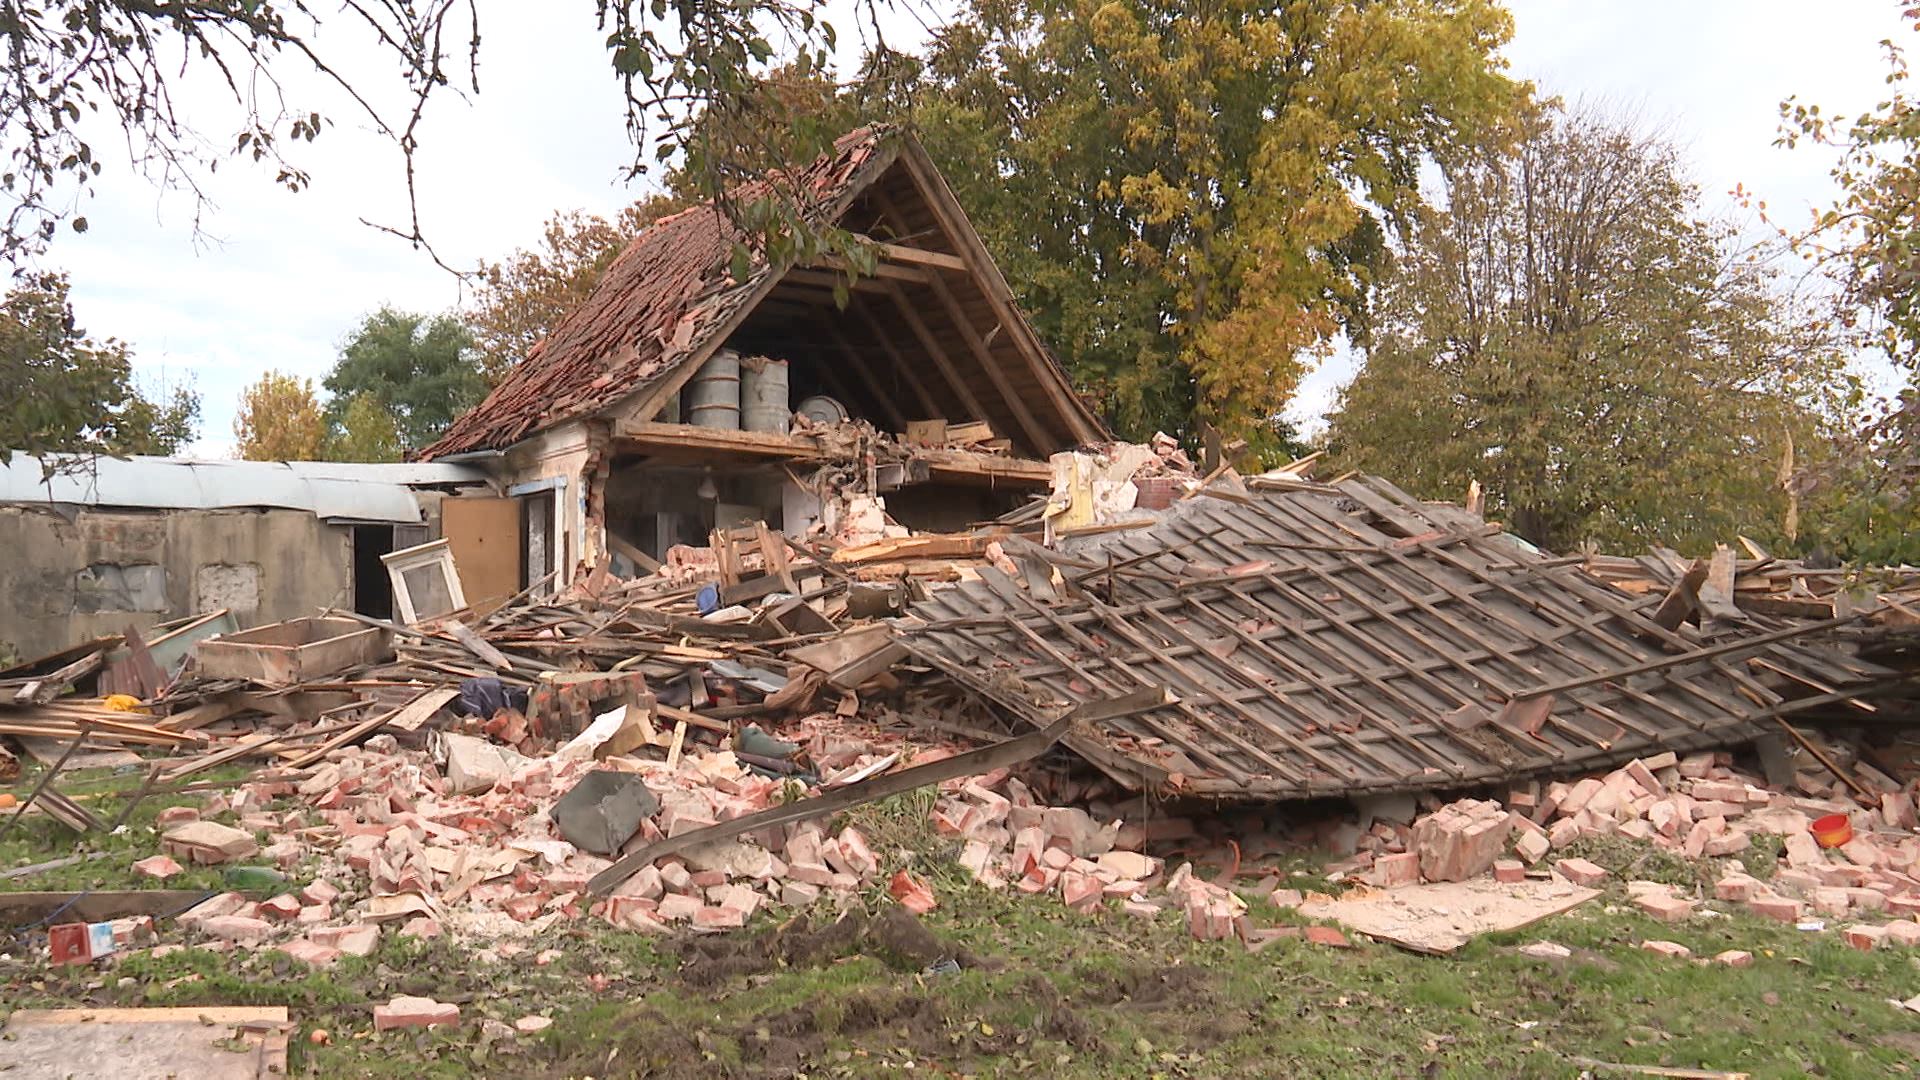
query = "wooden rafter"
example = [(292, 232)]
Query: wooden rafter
[(898, 359), (911, 316), (1041, 439), (894, 416), (991, 363)]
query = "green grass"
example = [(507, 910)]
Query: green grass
[(1044, 991), (38, 839)]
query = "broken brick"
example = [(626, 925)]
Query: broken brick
[(1460, 840), (1326, 935), (1581, 872), (158, 867), (1665, 908)]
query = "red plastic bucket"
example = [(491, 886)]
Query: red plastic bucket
[(1832, 830)]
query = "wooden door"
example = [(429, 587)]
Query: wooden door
[(484, 534)]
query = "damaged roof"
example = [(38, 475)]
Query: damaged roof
[(1332, 641), (669, 300)]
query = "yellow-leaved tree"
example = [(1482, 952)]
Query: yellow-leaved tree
[(279, 420), (1194, 200)]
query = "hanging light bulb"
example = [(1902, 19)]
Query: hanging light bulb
[(707, 490)]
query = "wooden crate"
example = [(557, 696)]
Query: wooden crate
[(295, 651)]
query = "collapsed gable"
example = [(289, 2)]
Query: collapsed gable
[(933, 334)]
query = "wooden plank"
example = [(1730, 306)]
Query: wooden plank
[(24, 908), (915, 547), (1682, 599), (1716, 592), (422, 708), (692, 719), (207, 712), (45, 688), (619, 545), (483, 532), (654, 437), (477, 645), (348, 737), (939, 260), (151, 679), (927, 432)]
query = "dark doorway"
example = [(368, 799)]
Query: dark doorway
[(372, 591)]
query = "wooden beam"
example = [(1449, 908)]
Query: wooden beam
[(1042, 442), (939, 260), (939, 355), (964, 465), (899, 361), (655, 436), (884, 271), (823, 279)]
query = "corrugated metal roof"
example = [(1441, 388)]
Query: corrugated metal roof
[(367, 492)]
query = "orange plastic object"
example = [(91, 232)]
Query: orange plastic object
[(1832, 830), (68, 943)]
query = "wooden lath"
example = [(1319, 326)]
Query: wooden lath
[(1339, 641)]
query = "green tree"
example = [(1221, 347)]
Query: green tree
[(1194, 201), (69, 392), (279, 419), (422, 369), (1868, 242), (365, 431), (1610, 365)]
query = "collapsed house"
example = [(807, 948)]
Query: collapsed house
[(723, 559), (98, 545), (677, 400)]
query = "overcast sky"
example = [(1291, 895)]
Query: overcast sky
[(275, 280)]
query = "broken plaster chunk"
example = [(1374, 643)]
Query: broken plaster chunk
[(208, 842), (414, 1012)]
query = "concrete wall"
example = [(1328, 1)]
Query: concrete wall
[(64, 581)]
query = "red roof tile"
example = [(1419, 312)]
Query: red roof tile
[(660, 300)]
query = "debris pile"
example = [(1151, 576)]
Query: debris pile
[(665, 750)]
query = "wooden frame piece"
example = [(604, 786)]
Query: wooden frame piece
[(435, 556)]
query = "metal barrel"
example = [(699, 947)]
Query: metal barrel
[(712, 399), (763, 395)]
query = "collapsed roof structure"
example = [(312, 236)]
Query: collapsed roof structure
[(1326, 640)]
